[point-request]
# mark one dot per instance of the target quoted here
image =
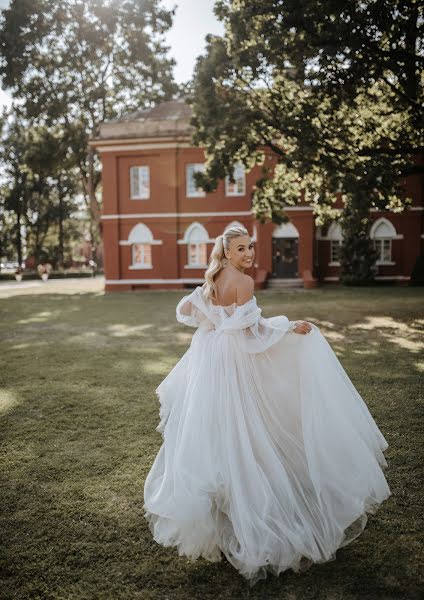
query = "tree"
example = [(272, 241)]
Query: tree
[(39, 187), (49, 158), (15, 190), (344, 46), (290, 78), (77, 63)]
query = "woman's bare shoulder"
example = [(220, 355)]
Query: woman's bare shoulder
[(245, 280), (245, 288)]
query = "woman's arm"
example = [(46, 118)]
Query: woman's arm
[(186, 308)]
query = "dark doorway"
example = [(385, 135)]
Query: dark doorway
[(285, 257)]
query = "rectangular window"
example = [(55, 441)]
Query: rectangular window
[(197, 254), (384, 247), (142, 255), (192, 191), (335, 250), (140, 182), (386, 251), (238, 188)]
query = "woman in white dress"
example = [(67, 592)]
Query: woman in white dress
[(269, 456)]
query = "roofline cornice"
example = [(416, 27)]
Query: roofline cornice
[(137, 140), (107, 145)]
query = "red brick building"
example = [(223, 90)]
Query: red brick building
[(159, 229)]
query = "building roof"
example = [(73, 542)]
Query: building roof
[(165, 120)]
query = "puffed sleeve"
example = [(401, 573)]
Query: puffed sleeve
[(189, 310)]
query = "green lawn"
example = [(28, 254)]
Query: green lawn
[(78, 414)]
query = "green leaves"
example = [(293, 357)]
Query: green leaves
[(76, 63), (38, 193), (321, 86)]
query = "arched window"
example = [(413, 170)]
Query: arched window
[(197, 238), (382, 233), (141, 241)]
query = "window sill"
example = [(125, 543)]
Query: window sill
[(386, 262), (140, 267), (149, 242), (334, 264), (195, 195), (207, 241), (144, 198), (195, 266)]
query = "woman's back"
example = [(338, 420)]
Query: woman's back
[(233, 287)]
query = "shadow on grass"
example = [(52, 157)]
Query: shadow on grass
[(78, 431)]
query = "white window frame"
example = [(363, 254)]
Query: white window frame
[(196, 233), (379, 245), (143, 264), (197, 264), (142, 192), (335, 236), (387, 234), (140, 234), (192, 192), (241, 177)]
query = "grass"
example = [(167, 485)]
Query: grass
[(78, 415)]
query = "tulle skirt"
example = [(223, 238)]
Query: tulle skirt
[(272, 459)]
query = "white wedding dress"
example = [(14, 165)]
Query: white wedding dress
[(269, 453)]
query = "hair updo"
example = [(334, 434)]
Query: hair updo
[(217, 259)]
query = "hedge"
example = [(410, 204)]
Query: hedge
[(53, 275)]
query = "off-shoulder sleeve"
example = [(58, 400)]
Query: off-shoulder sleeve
[(188, 311)]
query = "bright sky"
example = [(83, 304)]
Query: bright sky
[(193, 20)]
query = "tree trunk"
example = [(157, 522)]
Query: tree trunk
[(61, 234), (357, 253), (18, 236), (2, 228), (88, 181)]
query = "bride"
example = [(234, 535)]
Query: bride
[(269, 455)]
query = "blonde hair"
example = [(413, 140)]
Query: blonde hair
[(217, 257)]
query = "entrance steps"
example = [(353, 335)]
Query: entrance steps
[(278, 284)]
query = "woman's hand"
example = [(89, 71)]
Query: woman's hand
[(303, 327)]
